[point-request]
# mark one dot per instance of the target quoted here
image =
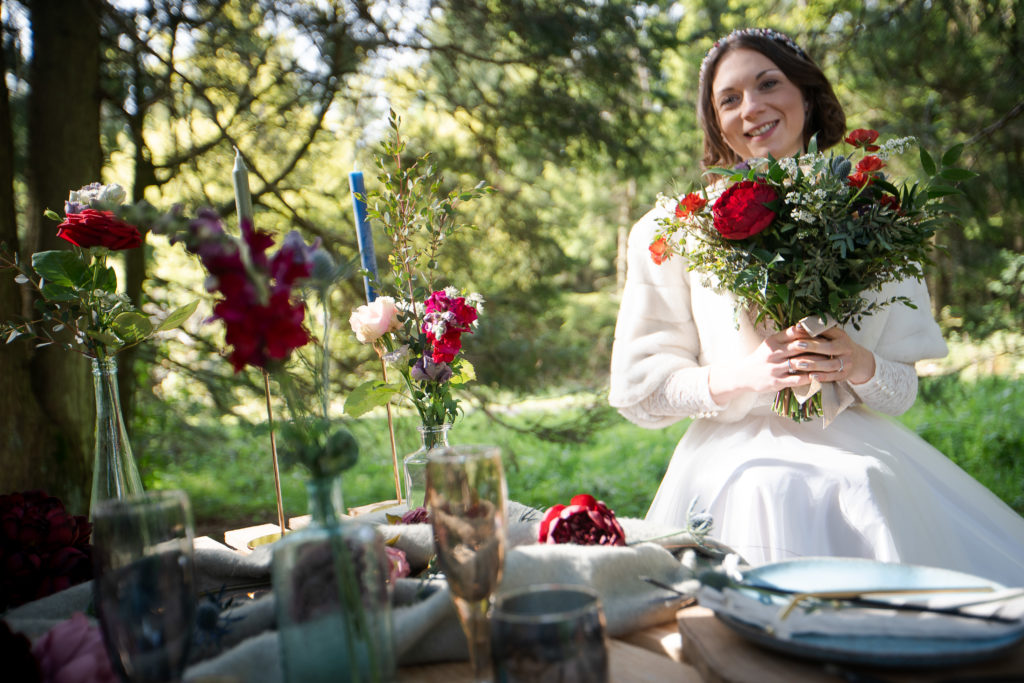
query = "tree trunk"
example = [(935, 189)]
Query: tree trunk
[(49, 412)]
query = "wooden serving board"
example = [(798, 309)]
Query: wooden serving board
[(627, 664)]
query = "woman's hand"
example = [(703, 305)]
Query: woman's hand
[(792, 358)]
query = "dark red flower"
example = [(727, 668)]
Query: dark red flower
[(870, 164), (859, 179), (863, 138), (690, 204), (890, 202), (659, 250), (418, 515), (741, 212), (92, 228), (43, 548), (584, 521), (446, 319)]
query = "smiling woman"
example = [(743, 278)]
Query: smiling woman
[(780, 486)]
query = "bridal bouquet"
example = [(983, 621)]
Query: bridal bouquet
[(807, 235), (414, 327)]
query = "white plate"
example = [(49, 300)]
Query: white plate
[(824, 574)]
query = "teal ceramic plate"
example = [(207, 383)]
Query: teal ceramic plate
[(823, 574)]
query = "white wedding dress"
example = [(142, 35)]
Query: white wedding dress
[(864, 486)]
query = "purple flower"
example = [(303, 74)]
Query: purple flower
[(426, 370)]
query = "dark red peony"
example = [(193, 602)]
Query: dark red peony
[(690, 204), (741, 212), (659, 250), (92, 228), (863, 137), (584, 521), (43, 548)]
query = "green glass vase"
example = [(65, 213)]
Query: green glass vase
[(332, 597)]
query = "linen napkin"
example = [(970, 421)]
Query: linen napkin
[(426, 626), (844, 619)]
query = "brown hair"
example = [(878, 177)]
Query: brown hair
[(826, 118)]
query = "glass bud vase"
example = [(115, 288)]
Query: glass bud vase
[(414, 465), (332, 598), (114, 474)]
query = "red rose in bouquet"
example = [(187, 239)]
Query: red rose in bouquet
[(741, 212), (863, 138), (584, 521), (93, 228), (659, 250), (690, 204)]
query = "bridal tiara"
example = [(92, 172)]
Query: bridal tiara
[(770, 34)]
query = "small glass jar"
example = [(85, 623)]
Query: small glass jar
[(414, 465)]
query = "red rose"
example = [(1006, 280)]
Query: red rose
[(859, 179), (584, 521), (659, 250), (92, 228), (741, 212), (863, 137), (690, 204), (870, 164)]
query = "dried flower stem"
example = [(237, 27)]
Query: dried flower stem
[(391, 433), (273, 454)]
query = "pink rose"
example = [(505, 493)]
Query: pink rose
[(372, 321), (398, 564), (584, 521), (73, 652)]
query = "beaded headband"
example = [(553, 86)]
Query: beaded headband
[(770, 34)]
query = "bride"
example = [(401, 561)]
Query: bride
[(864, 486)]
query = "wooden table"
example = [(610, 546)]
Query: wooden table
[(698, 647)]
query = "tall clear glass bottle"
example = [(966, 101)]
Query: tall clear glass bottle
[(114, 473)]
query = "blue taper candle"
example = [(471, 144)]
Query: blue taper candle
[(367, 257)]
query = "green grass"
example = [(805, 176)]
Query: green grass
[(225, 465)]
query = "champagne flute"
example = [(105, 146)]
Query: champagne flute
[(144, 585), (466, 494)]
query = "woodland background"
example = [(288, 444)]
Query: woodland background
[(578, 112)]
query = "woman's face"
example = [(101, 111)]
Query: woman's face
[(760, 111)]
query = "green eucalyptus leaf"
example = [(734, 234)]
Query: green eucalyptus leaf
[(59, 266), (132, 326), (369, 395), (104, 337), (58, 292), (466, 373), (178, 317)]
